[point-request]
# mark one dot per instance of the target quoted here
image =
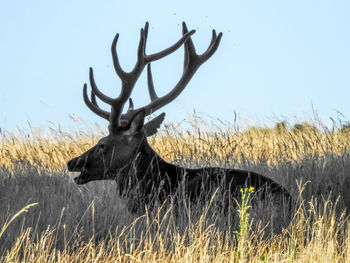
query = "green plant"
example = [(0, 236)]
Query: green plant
[(243, 213)]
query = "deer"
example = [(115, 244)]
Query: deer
[(125, 156)]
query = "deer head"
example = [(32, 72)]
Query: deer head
[(127, 132)]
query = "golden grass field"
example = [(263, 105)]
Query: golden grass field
[(46, 217)]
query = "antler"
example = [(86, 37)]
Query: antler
[(192, 62)]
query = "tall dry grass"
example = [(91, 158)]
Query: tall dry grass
[(90, 223), (203, 142), (316, 235)]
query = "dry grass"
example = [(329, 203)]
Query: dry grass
[(316, 235), (224, 146), (71, 223)]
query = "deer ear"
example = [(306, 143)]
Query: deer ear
[(153, 125), (136, 122)]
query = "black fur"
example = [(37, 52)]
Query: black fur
[(149, 177)]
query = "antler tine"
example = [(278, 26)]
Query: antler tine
[(141, 51), (189, 46), (104, 113), (191, 51), (92, 105), (152, 93), (118, 69), (186, 58), (97, 92), (93, 98), (192, 61), (214, 44), (131, 105)]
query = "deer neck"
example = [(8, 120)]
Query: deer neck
[(148, 161), (149, 166)]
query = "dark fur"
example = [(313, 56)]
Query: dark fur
[(148, 176)]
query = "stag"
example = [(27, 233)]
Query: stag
[(125, 155)]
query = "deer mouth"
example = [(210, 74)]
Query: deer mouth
[(86, 176), (83, 178)]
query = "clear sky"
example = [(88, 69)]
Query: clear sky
[(276, 58)]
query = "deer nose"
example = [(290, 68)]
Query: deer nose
[(74, 165), (71, 164)]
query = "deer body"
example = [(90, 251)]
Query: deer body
[(144, 175), (125, 155)]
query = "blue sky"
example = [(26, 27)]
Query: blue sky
[(276, 58)]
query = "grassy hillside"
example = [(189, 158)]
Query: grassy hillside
[(64, 222)]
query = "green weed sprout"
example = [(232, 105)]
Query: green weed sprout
[(243, 212), (243, 219)]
